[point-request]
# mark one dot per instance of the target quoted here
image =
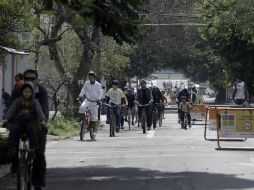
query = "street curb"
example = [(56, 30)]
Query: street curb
[(4, 170)]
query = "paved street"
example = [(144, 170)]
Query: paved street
[(168, 158)]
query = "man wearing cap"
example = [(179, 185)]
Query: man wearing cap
[(92, 91)]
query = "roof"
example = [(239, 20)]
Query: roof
[(14, 51)]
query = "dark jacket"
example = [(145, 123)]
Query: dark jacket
[(22, 108), (144, 95), (157, 96), (185, 93), (41, 97), (131, 99)]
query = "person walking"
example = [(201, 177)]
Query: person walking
[(240, 95)]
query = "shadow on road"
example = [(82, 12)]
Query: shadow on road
[(108, 178)]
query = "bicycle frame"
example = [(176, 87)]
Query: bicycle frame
[(112, 123), (184, 123), (25, 164), (85, 125), (143, 115)]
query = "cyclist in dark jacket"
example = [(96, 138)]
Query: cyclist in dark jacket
[(144, 96), (41, 95), (157, 100), (187, 96)]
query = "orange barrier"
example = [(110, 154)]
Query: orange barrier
[(234, 123), (198, 112), (212, 112)]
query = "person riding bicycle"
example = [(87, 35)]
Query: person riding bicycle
[(187, 95), (25, 115), (240, 94), (129, 93), (165, 100), (116, 96), (41, 95), (92, 91), (158, 100), (184, 107), (144, 96)]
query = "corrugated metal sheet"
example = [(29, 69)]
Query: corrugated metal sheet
[(14, 51)]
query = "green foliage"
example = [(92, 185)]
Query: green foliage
[(12, 17), (118, 19), (64, 127), (113, 59), (4, 151), (230, 33)]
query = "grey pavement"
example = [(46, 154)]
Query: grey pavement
[(168, 158)]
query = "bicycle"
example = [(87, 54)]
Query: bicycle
[(112, 116), (184, 123), (25, 164), (143, 115), (85, 125), (156, 117), (130, 116)]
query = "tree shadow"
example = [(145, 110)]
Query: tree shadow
[(108, 178)]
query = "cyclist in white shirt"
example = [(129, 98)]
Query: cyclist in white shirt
[(92, 91), (240, 94)]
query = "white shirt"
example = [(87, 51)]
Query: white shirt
[(92, 92), (115, 95), (240, 90)]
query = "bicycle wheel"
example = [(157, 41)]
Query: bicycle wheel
[(82, 130), (112, 124), (29, 172), (21, 173), (185, 122), (160, 121), (155, 118), (129, 119), (143, 121), (87, 124)]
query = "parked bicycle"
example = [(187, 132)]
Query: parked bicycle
[(144, 116), (112, 118), (25, 164)]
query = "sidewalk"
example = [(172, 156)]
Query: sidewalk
[(4, 169)]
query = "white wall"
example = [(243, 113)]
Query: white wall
[(19, 66)]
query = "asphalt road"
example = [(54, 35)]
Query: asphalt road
[(167, 158)]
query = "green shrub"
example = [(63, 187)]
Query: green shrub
[(63, 127), (4, 151)]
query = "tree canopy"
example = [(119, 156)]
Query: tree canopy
[(229, 33)]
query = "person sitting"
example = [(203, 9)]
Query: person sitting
[(184, 107)]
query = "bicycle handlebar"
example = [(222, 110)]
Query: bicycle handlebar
[(143, 105), (111, 105)]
